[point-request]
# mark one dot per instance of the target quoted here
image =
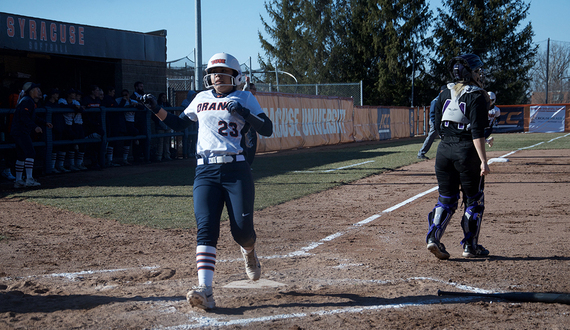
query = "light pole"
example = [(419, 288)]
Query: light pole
[(413, 71), (198, 74)]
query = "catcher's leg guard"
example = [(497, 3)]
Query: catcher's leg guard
[(471, 221), (439, 217)]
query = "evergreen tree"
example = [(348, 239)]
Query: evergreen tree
[(284, 32), (377, 41), (304, 39), (383, 42), (487, 28)]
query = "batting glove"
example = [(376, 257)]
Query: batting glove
[(236, 107), (150, 103)]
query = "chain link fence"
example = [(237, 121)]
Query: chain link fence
[(353, 90), (181, 78)]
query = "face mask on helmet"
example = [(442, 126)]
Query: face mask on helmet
[(223, 60)]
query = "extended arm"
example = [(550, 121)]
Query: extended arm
[(172, 121)]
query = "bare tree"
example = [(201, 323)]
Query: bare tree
[(558, 74)]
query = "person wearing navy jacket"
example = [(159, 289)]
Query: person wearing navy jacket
[(24, 124)]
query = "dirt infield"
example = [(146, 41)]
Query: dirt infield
[(353, 257)]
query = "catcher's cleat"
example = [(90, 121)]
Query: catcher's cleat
[(474, 252), (252, 265), (201, 297), (438, 249)]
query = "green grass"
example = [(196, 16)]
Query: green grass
[(164, 199)]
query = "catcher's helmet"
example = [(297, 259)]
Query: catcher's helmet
[(462, 67), (223, 60)]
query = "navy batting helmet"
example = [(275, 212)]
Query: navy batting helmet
[(462, 67)]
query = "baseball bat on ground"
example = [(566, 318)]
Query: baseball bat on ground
[(561, 298)]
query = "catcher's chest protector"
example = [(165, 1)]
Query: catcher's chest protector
[(453, 110)]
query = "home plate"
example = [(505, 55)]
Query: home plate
[(498, 160), (259, 284)]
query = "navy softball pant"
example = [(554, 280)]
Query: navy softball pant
[(218, 184), (458, 167)]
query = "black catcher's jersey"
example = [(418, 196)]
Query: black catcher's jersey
[(473, 104)]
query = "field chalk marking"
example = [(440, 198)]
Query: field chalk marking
[(74, 276), (207, 322), (305, 250), (336, 169), (204, 322)]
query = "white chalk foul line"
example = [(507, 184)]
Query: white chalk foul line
[(203, 322), (532, 146), (343, 167), (336, 169), (73, 276), (305, 250)]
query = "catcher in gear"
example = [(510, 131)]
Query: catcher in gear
[(223, 176), (494, 114), (461, 162)]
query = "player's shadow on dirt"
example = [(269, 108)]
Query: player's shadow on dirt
[(502, 258), (493, 258), (340, 301), (18, 302)]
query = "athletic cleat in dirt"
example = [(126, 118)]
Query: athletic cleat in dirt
[(31, 182), (201, 297), (252, 265), (474, 252), (438, 249), (20, 184)]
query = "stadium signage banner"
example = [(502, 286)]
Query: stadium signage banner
[(301, 121), (547, 119), (52, 37), (306, 121), (384, 124), (511, 120)]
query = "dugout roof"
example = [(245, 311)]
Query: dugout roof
[(32, 34)]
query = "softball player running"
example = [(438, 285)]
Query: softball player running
[(461, 161), (222, 175)]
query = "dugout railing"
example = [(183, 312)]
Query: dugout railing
[(184, 141)]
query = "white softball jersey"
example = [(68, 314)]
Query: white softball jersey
[(219, 131)]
